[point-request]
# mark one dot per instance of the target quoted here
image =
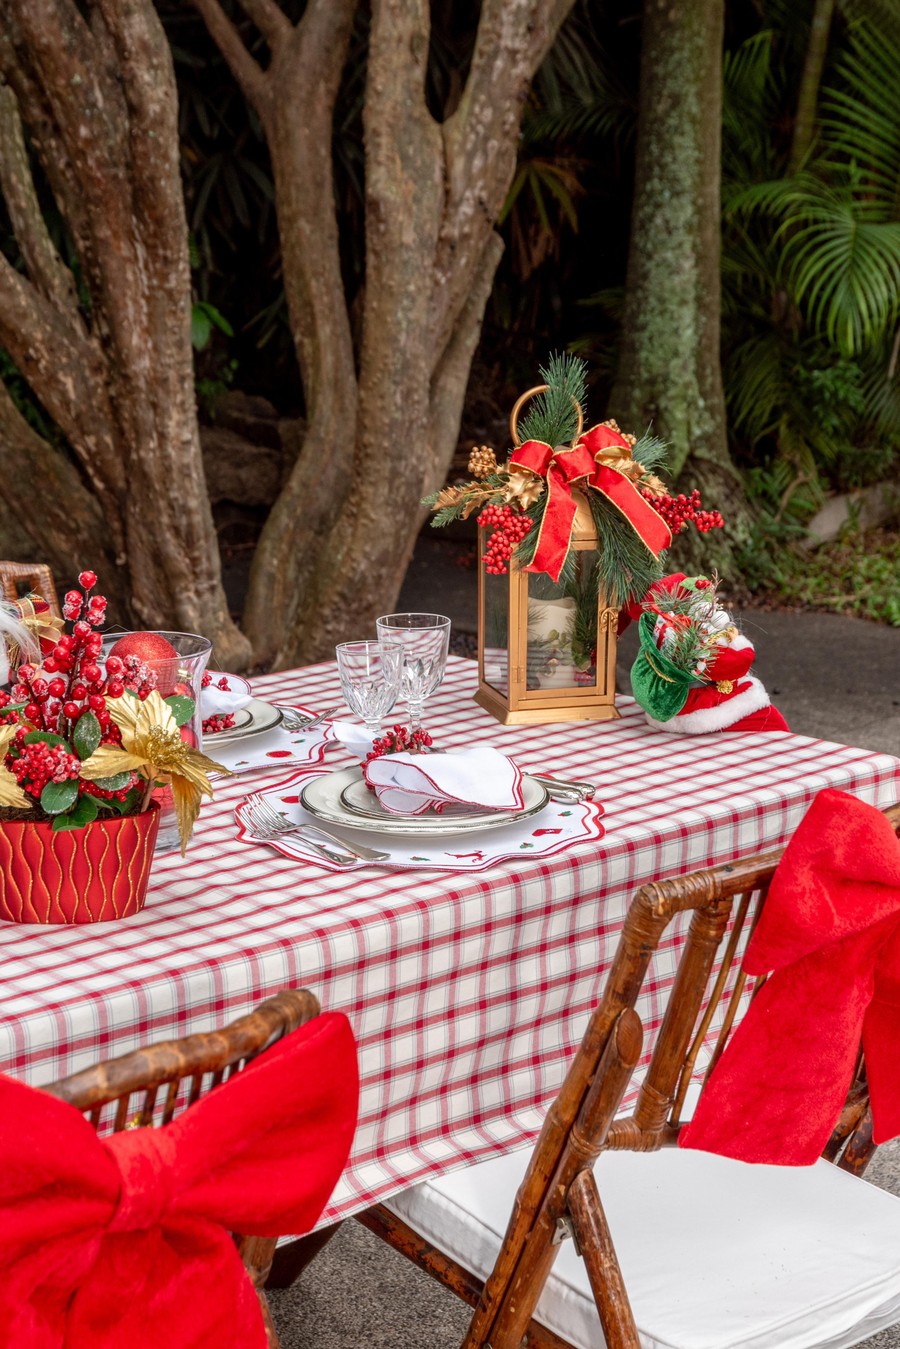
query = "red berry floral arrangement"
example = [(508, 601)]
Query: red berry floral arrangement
[(83, 737)]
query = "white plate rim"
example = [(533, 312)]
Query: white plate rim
[(414, 825), (257, 709)]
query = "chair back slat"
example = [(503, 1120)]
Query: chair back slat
[(725, 968), (683, 1009), (175, 1063)]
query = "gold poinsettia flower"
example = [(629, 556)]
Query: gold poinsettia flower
[(11, 793), (152, 746)]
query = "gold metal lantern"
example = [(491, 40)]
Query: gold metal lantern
[(546, 650)]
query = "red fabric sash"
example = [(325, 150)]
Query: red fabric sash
[(830, 934), (124, 1241), (579, 465)]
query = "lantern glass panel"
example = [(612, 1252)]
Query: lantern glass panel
[(496, 632), (562, 627)]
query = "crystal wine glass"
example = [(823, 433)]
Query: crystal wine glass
[(425, 639), (370, 679)]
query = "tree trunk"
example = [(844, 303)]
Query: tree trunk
[(335, 547), (96, 88), (808, 96), (670, 372)]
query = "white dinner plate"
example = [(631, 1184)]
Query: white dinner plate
[(327, 795), (260, 717)]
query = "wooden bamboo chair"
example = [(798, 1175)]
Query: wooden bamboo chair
[(697, 1235), (185, 1069), (22, 578)]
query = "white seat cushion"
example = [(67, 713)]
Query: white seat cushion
[(716, 1254)]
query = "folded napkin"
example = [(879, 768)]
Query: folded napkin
[(355, 739), (411, 784), (216, 702)]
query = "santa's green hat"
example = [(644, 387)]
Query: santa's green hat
[(660, 686)]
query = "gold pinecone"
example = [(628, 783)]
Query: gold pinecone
[(482, 461)]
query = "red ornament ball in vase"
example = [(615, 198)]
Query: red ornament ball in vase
[(153, 649)]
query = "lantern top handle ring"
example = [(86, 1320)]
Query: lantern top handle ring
[(523, 399)]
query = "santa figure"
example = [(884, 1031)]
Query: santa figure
[(692, 675)]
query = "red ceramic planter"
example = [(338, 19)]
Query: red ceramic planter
[(89, 875)]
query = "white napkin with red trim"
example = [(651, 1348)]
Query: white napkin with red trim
[(411, 784), (215, 702)]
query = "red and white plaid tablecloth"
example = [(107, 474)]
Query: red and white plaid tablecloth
[(467, 992)]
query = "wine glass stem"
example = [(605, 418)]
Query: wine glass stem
[(373, 726), (415, 714)]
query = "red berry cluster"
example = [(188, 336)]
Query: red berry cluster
[(222, 721), (510, 528), (76, 683), (76, 605), (682, 510), (40, 763), (55, 696), (399, 740), (137, 676)]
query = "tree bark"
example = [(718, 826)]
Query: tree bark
[(808, 95), (96, 88), (670, 372), (46, 509), (335, 547)]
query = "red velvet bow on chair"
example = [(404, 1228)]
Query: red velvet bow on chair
[(830, 934), (125, 1240), (582, 465)]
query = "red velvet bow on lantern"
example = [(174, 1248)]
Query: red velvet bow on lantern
[(583, 465), (830, 935), (125, 1240)]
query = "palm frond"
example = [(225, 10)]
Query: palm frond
[(844, 268), (861, 113)]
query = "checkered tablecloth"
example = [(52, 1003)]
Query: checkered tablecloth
[(467, 992)]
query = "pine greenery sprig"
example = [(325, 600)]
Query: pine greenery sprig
[(553, 415), (689, 643), (651, 452), (626, 568)]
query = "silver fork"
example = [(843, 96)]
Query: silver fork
[(292, 720), (267, 824)]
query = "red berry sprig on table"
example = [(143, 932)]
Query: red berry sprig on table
[(510, 528), (678, 512), (399, 740)]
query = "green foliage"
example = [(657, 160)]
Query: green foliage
[(59, 796), (84, 811), (625, 566), (205, 317), (112, 784), (553, 415), (86, 735), (652, 452), (811, 268), (182, 708), (856, 575)]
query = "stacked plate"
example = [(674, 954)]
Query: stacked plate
[(253, 719), (343, 798)]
